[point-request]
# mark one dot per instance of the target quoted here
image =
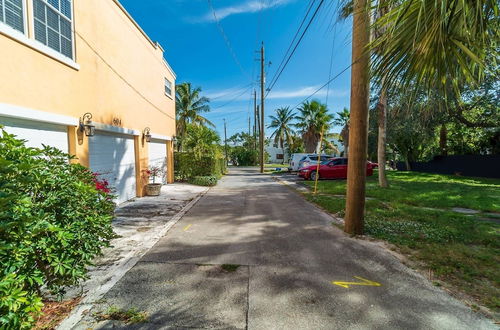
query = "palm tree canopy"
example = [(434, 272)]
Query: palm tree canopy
[(313, 116), (282, 123), (189, 106), (342, 118), (439, 44), (313, 119)]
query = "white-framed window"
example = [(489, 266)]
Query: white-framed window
[(53, 25), (168, 87), (12, 14)]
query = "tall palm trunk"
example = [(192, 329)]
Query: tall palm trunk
[(443, 140), (382, 138), (358, 130)]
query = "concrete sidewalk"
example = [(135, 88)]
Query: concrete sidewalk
[(252, 254), (139, 223)]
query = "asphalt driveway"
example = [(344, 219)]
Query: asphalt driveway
[(253, 254)]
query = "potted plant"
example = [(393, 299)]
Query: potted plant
[(154, 189)]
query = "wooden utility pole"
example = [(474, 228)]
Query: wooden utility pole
[(358, 133), (255, 122), (319, 161), (225, 140), (262, 82)]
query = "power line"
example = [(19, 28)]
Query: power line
[(275, 80), (226, 39), (294, 37), (326, 84), (121, 77), (234, 99), (230, 93), (331, 66)]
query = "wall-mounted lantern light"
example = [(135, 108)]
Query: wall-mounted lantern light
[(147, 134), (174, 138), (86, 124)]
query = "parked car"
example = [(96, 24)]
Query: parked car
[(294, 161), (335, 168), (312, 159)]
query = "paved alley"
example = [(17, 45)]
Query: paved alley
[(253, 254)]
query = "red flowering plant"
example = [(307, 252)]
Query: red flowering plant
[(154, 172), (102, 184)]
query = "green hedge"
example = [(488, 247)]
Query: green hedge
[(188, 165), (55, 217), (207, 181)]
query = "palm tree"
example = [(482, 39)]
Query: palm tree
[(313, 118), (189, 106), (436, 43), (282, 123), (342, 120)]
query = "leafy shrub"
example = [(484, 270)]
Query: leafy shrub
[(55, 217), (207, 181), (243, 156), (188, 165)]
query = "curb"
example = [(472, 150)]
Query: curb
[(121, 269)]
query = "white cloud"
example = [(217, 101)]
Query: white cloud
[(305, 92), (250, 6)]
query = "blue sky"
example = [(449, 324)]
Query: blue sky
[(196, 50)]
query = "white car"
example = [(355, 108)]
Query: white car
[(312, 159), (294, 161)]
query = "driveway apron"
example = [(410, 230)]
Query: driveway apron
[(254, 254)]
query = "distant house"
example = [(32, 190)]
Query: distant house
[(277, 155), (84, 77)]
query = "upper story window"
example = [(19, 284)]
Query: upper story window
[(12, 14), (168, 87), (53, 25)]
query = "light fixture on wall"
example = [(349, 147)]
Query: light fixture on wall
[(86, 124), (174, 138), (147, 134)]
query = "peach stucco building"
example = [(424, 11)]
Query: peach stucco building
[(61, 59)]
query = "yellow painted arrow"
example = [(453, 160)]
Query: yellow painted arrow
[(364, 281)]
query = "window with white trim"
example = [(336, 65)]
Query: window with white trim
[(168, 87), (12, 14), (53, 25)]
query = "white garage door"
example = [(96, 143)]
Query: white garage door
[(113, 157), (37, 133), (158, 157)]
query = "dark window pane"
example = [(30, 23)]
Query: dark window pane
[(65, 28), (53, 39), (314, 158), (39, 10), (54, 3), (14, 14), (66, 47), (66, 8), (52, 19), (40, 32)]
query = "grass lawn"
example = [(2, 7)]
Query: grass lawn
[(414, 213), (275, 165)]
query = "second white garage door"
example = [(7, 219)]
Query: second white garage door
[(158, 157), (113, 156)]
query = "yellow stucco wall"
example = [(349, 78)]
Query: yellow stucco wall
[(120, 80), (121, 73)]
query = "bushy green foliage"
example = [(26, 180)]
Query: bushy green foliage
[(188, 165), (55, 217), (243, 156), (207, 181)]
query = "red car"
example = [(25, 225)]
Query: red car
[(335, 168)]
